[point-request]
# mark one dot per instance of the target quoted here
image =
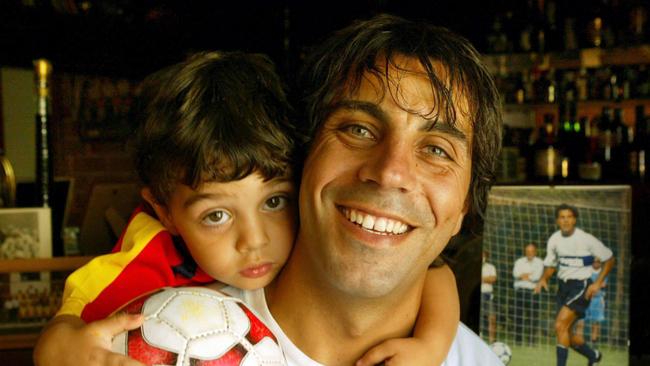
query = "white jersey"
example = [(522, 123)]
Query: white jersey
[(487, 270), (574, 254), (466, 350)]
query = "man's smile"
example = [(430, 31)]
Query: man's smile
[(376, 224)]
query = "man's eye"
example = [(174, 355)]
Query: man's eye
[(359, 131), (216, 218), (437, 151), (276, 203)]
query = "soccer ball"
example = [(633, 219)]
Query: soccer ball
[(197, 326), (502, 351)]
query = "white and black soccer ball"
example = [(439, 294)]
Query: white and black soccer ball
[(502, 351), (197, 326)]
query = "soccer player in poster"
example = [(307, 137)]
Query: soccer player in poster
[(572, 251)]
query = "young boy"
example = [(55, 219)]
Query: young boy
[(214, 153)]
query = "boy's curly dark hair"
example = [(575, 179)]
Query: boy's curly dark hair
[(217, 116)]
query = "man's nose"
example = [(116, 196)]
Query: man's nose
[(252, 235), (391, 165)]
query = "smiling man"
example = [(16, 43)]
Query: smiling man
[(403, 127)]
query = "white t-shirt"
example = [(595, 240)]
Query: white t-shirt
[(466, 350), (574, 254), (533, 267), (488, 270)]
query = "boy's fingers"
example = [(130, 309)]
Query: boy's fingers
[(114, 359), (116, 324), (377, 354)]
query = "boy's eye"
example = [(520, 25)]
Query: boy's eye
[(276, 203), (216, 218)]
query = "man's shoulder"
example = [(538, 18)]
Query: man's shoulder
[(555, 236), (468, 349)]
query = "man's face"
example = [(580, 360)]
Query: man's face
[(566, 220), (531, 251), (383, 190)]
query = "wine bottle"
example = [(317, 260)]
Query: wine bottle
[(547, 156), (44, 161), (590, 167), (620, 146), (606, 143), (639, 147)]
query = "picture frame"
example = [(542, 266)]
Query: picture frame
[(26, 298), (25, 232), (523, 328)]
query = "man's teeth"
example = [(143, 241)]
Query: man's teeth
[(379, 224)]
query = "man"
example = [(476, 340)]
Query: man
[(402, 126), (526, 272), (488, 313), (574, 251), (401, 117)]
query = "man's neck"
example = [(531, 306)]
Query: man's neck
[(331, 327)]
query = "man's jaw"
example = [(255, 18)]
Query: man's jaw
[(376, 224)]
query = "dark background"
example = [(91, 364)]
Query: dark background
[(133, 38)]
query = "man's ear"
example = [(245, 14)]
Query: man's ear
[(161, 210)]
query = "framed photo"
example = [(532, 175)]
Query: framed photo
[(25, 233), (524, 227)]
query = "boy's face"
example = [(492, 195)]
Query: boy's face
[(239, 232)]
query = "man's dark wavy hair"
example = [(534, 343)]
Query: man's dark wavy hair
[(564, 206), (217, 116), (337, 66)]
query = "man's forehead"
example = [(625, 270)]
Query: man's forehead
[(407, 82)]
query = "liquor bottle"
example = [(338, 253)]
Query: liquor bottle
[(590, 168), (582, 85), (620, 145), (553, 37), (639, 147), (593, 31), (547, 156), (605, 141), (44, 161), (638, 22), (547, 87)]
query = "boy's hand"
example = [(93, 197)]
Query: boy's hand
[(401, 352), (68, 341)]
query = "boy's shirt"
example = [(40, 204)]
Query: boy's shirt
[(146, 257)]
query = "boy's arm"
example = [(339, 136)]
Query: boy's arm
[(434, 330), (68, 341)]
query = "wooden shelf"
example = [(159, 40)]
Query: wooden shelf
[(43, 264), (18, 341), (588, 58), (26, 338)]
